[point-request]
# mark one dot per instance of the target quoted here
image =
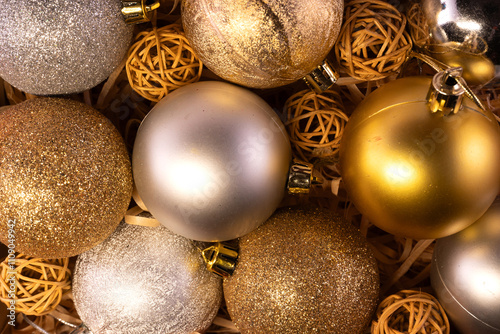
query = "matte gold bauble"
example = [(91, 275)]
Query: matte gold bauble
[(416, 173), (262, 44), (303, 271), (478, 69), (66, 179)]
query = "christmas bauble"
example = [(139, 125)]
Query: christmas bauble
[(211, 161), (303, 271), (50, 47), (262, 44), (465, 275), (144, 280), (416, 173), (459, 33), (66, 178)]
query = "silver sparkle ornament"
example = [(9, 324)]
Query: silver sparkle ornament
[(465, 275), (50, 47), (144, 280), (211, 161)]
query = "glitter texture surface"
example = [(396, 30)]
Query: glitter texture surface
[(144, 280), (303, 271), (50, 47), (262, 43), (65, 177)]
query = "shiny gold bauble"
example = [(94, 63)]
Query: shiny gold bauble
[(477, 68), (418, 174), (303, 271), (66, 180), (262, 44)]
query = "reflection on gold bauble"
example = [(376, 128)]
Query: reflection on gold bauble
[(66, 180), (262, 44), (477, 68), (303, 271), (418, 174)]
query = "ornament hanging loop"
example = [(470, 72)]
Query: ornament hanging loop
[(220, 259), (446, 94), (138, 11), (322, 77), (300, 178)]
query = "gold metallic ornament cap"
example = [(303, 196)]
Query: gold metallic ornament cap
[(446, 93), (221, 258), (300, 178), (322, 77), (139, 11)]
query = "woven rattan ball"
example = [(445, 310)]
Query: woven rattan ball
[(373, 43), (410, 311), (419, 25), (161, 60), (315, 124), (39, 284)]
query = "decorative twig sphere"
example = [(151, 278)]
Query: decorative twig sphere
[(410, 311), (39, 283), (160, 61), (373, 43), (315, 123)]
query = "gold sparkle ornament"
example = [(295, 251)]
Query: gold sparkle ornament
[(66, 177), (262, 44), (303, 271), (416, 173)]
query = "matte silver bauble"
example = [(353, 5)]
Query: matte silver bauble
[(144, 280), (465, 275), (211, 161), (50, 47)]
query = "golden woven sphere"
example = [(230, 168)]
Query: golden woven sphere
[(160, 61), (373, 43), (315, 123), (410, 311), (39, 284)]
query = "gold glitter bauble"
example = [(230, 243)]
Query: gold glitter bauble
[(303, 271), (66, 179), (262, 44)]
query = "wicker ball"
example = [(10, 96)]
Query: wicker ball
[(315, 123), (419, 25), (160, 61), (39, 283), (410, 311), (373, 43)]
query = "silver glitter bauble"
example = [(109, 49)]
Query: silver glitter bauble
[(465, 275), (262, 44), (50, 47), (145, 280), (211, 161), (303, 271)]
